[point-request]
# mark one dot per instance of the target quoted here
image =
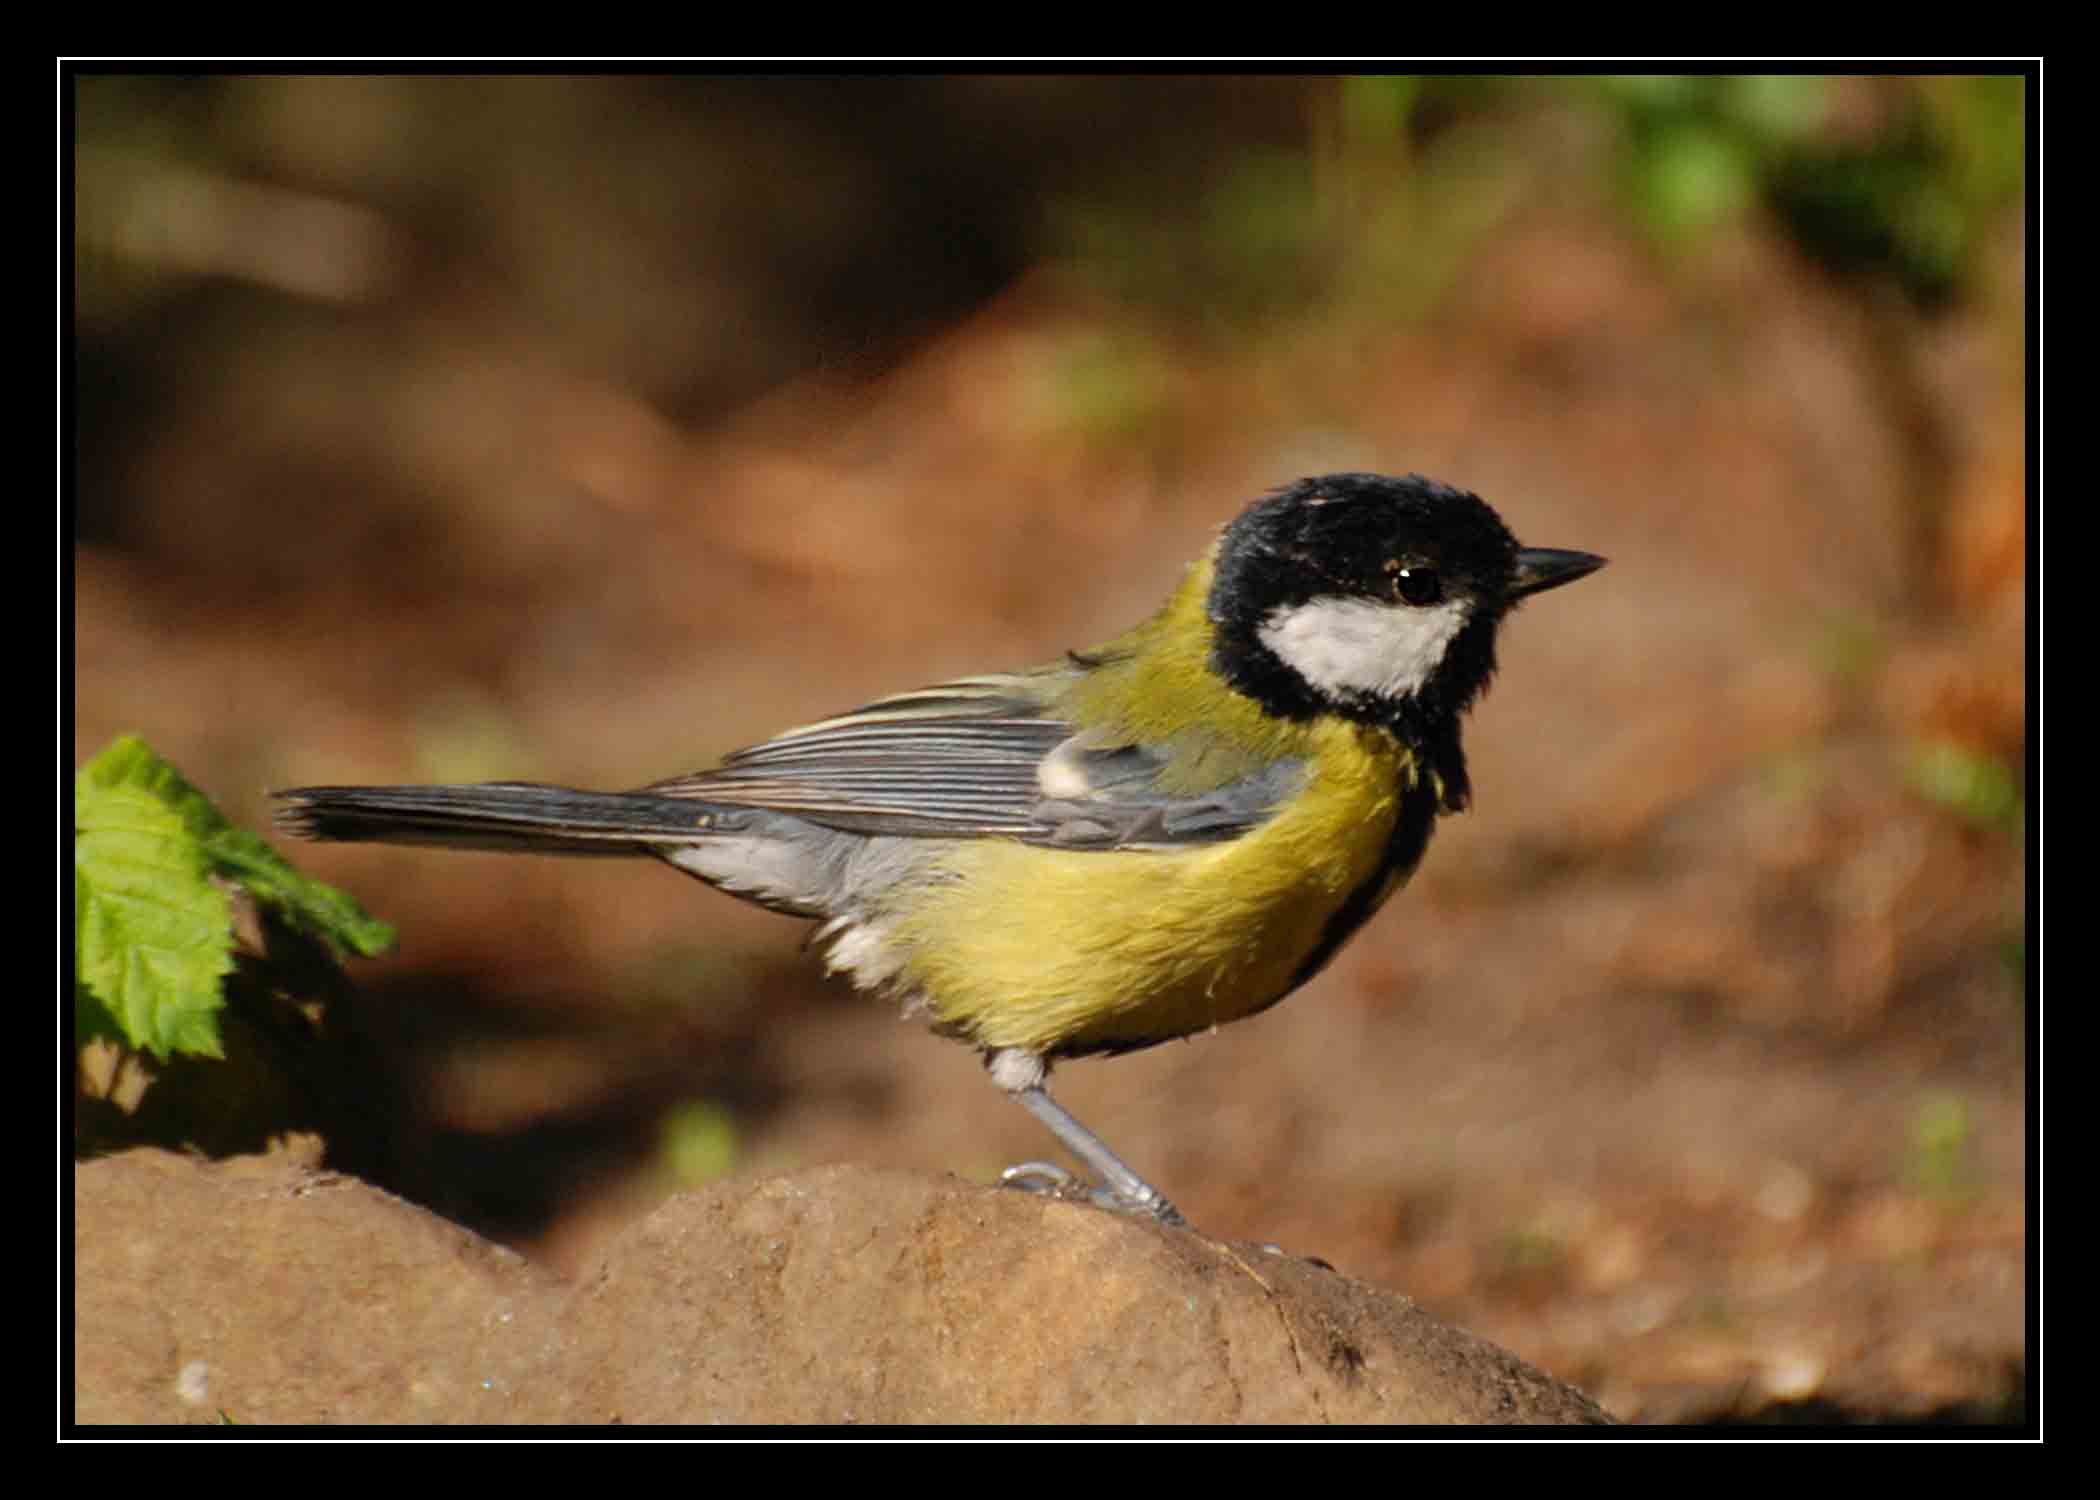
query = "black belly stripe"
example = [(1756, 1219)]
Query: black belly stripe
[(1404, 848)]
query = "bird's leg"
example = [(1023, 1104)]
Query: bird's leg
[(1022, 1075)]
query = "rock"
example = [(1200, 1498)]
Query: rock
[(263, 1290)]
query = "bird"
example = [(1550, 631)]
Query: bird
[(1134, 843)]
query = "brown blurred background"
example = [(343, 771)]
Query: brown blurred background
[(581, 429)]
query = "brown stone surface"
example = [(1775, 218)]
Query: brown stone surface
[(260, 1290)]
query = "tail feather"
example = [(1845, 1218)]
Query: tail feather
[(514, 816)]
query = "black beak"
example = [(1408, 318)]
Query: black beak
[(1541, 568)]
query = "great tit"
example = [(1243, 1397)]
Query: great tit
[(1141, 841)]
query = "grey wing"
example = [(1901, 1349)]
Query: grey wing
[(982, 757)]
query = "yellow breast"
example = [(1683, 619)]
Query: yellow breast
[(1070, 951)]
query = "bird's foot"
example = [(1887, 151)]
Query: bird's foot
[(1053, 1181)]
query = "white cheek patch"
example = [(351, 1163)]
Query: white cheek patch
[(1361, 647)]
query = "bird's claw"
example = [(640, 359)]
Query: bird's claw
[(1046, 1178), (1053, 1181)]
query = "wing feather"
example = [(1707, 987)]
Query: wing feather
[(980, 757)]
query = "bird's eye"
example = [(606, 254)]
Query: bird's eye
[(1418, 585)]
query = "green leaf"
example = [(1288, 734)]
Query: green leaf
[(311, 906), (152, 935), (152, 920), (301, 902)]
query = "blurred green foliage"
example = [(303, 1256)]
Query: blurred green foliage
[(1977, 787), (699, 1143), (1895, 178), (1111, 387), (1914, 202), (1986, 793), (1389, 183), (1694, 151), (1533, 1248), (1224, 208), (1942, 1146), (1851, 647)]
